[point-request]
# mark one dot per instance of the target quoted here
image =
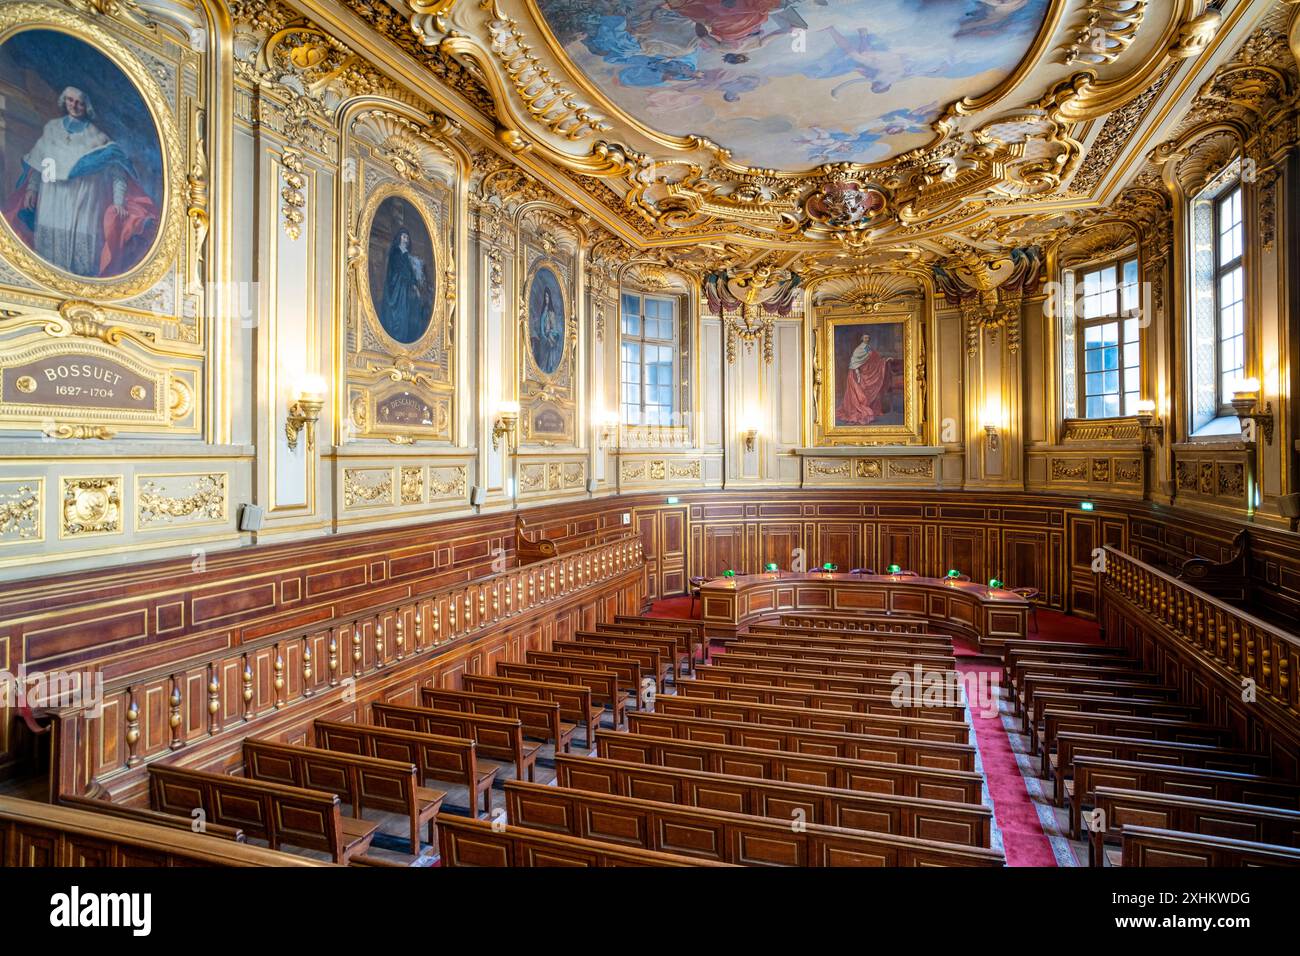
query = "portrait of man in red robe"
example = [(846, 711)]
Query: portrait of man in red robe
[(868, 387)]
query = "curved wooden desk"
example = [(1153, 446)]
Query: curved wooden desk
[(987, 616)]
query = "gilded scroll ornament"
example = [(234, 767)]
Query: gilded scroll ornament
[(205, 501), (20, 513)]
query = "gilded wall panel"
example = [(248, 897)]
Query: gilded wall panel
[(106, 276), (402, 183), (548, 330)]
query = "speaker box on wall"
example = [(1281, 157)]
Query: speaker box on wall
[(477, 495), (591, 485), (250, 517)]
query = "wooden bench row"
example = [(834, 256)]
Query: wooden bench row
[(723, 836)]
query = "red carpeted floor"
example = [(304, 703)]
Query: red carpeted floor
[(1023, 840)]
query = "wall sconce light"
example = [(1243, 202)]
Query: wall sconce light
[(992, 421), (305, 411), (505, 424), (1148, 423), (1245, 399), (751, 435), (607, 422), (992, 433)]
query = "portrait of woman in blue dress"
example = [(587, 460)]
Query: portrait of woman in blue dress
[(546, 321), (401, 270)]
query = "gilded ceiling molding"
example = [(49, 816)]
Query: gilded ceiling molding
[(670, 188), (1108, 31)]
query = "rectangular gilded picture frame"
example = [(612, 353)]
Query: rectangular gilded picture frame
[(865, 377)]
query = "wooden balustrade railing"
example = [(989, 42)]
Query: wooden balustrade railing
[(1248, 648), (149, 711)]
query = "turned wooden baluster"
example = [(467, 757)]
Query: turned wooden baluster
[(332, 661), (399, 635), (278, 681), (379, 641), (307, 689), (214, 700), (356, 648), (132, 728), (246, 678), (419, 628)]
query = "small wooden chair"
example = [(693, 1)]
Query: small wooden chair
[(1031, 596), (693, 586)]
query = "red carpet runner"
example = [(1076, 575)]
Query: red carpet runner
[(1023, 840)]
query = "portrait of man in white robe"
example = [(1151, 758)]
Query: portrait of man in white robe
[(77, 200)]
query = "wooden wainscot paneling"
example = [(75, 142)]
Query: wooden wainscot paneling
[(962, 608)]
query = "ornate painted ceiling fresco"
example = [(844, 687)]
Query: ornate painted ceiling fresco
[(794, 84), (832, 131)]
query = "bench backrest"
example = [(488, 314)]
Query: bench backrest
[(651, 659), (38, 834), (1163, 811), (1158, 752), (1144, 846), (154, 817), (871, 776), (466, 842), (864, 654), (771, 676), (540, 718), (575, 700), (856, 622), (829, 700), (628, 672), (1093, 772), (960, 823), (721, 835), (603, 685), (674, 623), (919, 753), (883, 725), (1118, 706), (1152, 728), (361, 781), (274, 812), (501, 737), (439, 758), (803, 665), (669, 642)]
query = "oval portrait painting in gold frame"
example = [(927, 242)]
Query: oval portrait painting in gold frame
[(84, 165), (403, 269)]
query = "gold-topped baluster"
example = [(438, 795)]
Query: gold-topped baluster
[(174, 714), (379, 641), (399, 635), (132, 728), (307, 689), (214, 700), (356, 648), (246, 691), (332, 662), (278, 682)]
